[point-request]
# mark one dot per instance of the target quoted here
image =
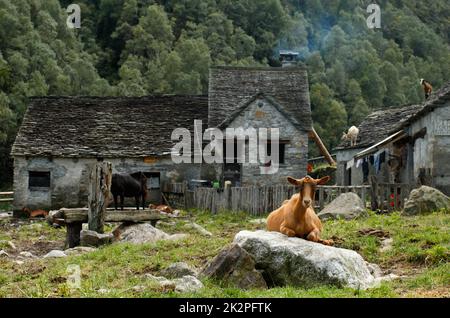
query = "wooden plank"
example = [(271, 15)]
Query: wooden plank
[(81, 215), (7, 193), (7, 200)]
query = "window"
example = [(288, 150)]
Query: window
[(39, 179), (281, 150), (232, 156)]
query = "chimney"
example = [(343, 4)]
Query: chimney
[(288, 58)]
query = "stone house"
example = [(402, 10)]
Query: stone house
[(62, 137), (409, 144)]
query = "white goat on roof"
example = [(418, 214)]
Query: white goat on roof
[(351, 135)]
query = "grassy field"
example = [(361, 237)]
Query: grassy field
[(420, 253)]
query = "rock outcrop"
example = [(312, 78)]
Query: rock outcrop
[(347, 206), (425, 200), (142, 233), (235, 267), (297, 262), (178, 270)]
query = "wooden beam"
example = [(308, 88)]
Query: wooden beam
[(81, 215), (323, 150)]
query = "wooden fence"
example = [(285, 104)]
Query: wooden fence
[(386, 197), (6, 196), (261, 200)]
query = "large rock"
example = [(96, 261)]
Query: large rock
[(78, 250), (234, 266), (297, 262), (185, 284), (142, 233), (426, 200), (347, 206), (92, 238), (178, 270), (55, 254), (3, 254)]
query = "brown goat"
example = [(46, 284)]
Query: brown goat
[(296, 217), (427, 88)]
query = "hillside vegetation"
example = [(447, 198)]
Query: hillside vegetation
[(139, 47)]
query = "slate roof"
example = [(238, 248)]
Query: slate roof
[(231, 117), (106, 126), (385, 122), (230, 87)]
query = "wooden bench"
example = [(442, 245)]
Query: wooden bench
[(74, 219)]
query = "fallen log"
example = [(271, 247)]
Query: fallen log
[(81, 215)]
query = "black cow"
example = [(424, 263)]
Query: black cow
[(129, 185)]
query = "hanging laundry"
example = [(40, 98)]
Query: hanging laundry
[(365, 169), (376, 163), (350, 163), (358, 163)]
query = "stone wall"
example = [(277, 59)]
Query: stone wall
[(432, 152), (262, 114), (69, 178)]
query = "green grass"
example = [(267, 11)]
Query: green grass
[(420, 252)]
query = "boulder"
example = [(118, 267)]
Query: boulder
[(347, 206), (142, 233), (55, 254), (425, 200), (78, 250), (92, 238), (177, 270), (3, 254), (200, 230), (234, 266), (185, 284), (26, 254), (297, 262), (161, 282)]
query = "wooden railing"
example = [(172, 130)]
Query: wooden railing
[(261, 200), (9, 196), (389, 196)]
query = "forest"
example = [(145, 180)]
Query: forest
[(144, 47)]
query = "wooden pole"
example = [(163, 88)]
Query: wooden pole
[(73, 231), (323, 150), (99, 193), (373, 193)]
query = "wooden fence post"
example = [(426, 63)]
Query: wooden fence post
[(73, 234), (99, 193), (373, 193)]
